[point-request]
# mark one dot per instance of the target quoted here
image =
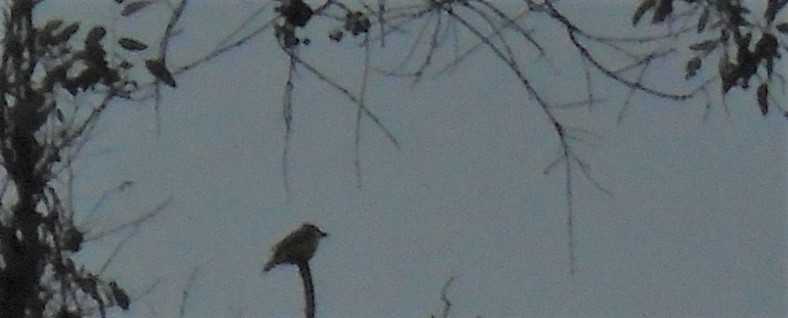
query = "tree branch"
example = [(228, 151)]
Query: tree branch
[(309, 288)]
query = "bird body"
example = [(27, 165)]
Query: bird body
[(298, 247)]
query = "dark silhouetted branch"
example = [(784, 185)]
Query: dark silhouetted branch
[(309, 289)]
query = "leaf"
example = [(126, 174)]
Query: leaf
[(72, 239), (121, 298), (296, 12), (642, 9), (782, 27), (125, 65), (705, 45), (160, 71), (132, 44), (763, 101), (735, 14), (66, 34), (52, 25), (95, 35), (772, 8), (133, 7), (728, 74), (704, 18), (767, 46), (693, 66), (357, 23), (335, 35), (663, 10)]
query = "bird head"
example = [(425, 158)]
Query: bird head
[(311, 228)]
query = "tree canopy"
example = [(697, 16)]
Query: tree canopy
[(59, 75)]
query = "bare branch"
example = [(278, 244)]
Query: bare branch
[(309, 288), (445, 298), (185, 293), (134, 223)]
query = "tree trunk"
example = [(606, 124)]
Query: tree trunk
[(22, 250)]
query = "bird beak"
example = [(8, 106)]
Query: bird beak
[(323, 234)]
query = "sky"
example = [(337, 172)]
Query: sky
[(694, 226)]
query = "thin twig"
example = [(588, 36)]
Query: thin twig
[(185, 293), (445, 298), (134, 223)]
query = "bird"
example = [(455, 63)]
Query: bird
[(298, 247)]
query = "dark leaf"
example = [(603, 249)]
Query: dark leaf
[(87, 78), (728, 74), (357, 23), (736, 15), (748, 65), (705, 45), (71, 86), (95, 35), (724, 35), (763, 101), (95, 54), (64, 312), (782, 27), (693, 66), (121, 298), (132, 44), (743, 40), (296, 12), (52, 25), (126, 65), (55, 75), (772, 8), (72, 238), (160, 71), (663, 10), (286, 34), (766, 48), (89, 286), (704, 18), (66, 34), (336, 35), (133, 7), (642, 9)]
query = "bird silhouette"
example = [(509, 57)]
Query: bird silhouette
[(298, 247)]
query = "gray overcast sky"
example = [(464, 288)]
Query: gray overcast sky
[(695, 227)]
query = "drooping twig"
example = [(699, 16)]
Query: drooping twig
[(135, 225), (185, 293), (445, 299), (287, 114), (359, 113)]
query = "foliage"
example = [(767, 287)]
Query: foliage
[(58, 78), (742, 43), (46, 71)]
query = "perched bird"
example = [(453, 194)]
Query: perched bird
[(298, 247)]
